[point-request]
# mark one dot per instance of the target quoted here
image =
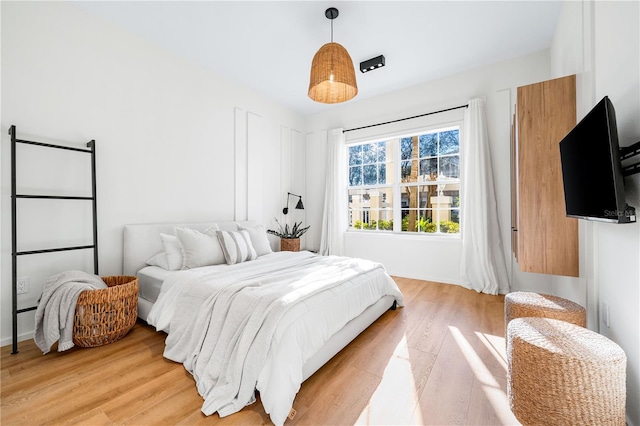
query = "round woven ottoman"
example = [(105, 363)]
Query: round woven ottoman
[(527, 304), (559, 373)]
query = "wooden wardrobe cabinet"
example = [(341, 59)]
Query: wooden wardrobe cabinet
[(544, 240)]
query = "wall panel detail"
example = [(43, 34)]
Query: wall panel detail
[(255, 163), (241, 169), (248, 155)]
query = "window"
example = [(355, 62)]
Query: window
[(406, 184), (370, 190)]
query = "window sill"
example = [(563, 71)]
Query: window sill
[(453, 238)]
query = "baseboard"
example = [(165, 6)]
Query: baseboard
[(21, 338), (430, 278)]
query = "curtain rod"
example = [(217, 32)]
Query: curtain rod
[(406, 118)]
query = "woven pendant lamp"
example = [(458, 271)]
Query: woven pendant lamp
[(333, 78)]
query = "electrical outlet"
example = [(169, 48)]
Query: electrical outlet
[(23, 285)]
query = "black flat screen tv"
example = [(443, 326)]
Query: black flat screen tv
[(592, 170)]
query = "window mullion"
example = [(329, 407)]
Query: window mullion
[(397, 194)]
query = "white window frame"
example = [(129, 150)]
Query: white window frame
[(397, 185)]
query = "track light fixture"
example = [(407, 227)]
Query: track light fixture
[(372, 64)]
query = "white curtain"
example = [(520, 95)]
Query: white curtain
[(482, 261), (334, 217)]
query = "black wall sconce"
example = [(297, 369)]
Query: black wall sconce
[(299, 205)]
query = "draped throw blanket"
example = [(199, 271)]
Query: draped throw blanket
[(224, 322), (57, 307), (482, 260)]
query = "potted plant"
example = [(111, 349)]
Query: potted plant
[(289, 236)]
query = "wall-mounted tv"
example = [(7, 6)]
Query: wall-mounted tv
[(592, 170)]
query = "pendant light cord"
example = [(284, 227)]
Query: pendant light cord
[(331, 30), (331, 14)]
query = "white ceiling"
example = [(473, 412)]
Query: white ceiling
[(268, 46)]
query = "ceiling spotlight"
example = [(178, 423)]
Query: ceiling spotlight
[(372, 64)]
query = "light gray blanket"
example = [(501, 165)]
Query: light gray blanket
[(57, 307), (225, 320)]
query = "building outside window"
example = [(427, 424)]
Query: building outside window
[(408, 184)]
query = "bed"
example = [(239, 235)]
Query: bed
[(295, 310)]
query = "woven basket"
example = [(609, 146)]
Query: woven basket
[(563, 374), (290, 244), (521, 304), (104, 316)]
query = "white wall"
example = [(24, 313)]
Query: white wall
[(175, 142), (600, 41), (616, 59), (430, 258)]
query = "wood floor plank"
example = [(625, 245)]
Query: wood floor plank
[(5, 377), (375, 358), (396, 397), (317, 383), (439, 360), (344, 401), (95, 417), (488, 403), (429, 334), (440, 402), (170, 410), (490, 352), (144, 395)]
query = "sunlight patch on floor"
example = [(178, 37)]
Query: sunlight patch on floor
[(495, 345), (395, 398), (493, 391)]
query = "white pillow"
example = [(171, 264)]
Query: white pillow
[(200, 249), (236, 246), (259, 240), (173, 251), (159, 259)]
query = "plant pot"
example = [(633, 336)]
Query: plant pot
[(290, 244)]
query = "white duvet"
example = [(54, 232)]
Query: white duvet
[(253, 325)]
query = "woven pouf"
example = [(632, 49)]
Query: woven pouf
[(559, 373), (528, 304)]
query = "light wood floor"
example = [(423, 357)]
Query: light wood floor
[(439, 360)]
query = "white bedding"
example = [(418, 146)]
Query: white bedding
[(150, 281), (190, 297)]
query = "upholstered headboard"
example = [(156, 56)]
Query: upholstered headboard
[(141, 241)]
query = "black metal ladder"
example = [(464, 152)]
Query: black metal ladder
[(14, 225)]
